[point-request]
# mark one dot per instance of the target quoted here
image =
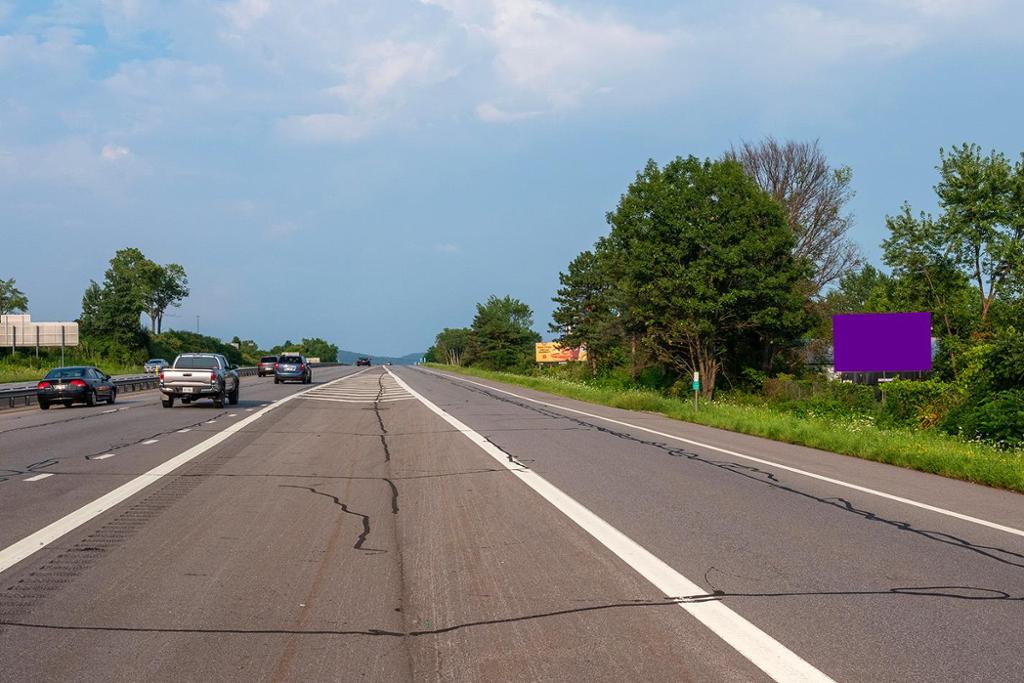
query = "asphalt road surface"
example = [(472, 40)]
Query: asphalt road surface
[(391, 524)]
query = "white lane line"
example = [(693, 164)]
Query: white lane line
[(18, 551), (149, 442), (102, 457), (185, 431), (249, 410), (210, 422), (760, 461), (766, 653), (112, 410), (39, 476), (233, 415)]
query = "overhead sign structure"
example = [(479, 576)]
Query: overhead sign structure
[(882, 342), (20, 331), (551, 352)]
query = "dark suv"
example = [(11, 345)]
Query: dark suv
[(266, 365), (363, 361), (292, 367)]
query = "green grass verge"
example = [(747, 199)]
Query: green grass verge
[(32, 373), (915, 449)]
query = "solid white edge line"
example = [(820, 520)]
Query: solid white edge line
[(39, 476), (760, 461), (766, 653), (18, 551)]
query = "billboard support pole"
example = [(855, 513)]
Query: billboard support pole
[(37, 342), (62, 346)]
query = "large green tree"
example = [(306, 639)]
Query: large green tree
[(110, 312), (162, 287), (589, 311), (705, 258), (11, 298), (451, 345), (502, 336)]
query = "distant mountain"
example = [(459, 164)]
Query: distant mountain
[(349, 358)]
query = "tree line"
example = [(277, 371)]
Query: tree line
[(732, 267), (134, 286)]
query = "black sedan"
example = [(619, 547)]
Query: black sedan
[(79, 384)]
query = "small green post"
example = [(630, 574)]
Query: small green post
[(696, 389)]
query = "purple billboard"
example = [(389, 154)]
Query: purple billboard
[(882, 342)]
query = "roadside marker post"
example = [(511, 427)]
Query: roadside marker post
[(696, 389)]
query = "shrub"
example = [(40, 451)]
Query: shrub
[(997, 417), (918, 404)]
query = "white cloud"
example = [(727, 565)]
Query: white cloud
[(490, 112), (317, 128), (281, 229), (114, 152), (446, 248)]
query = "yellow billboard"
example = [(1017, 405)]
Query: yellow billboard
[(551, 352)]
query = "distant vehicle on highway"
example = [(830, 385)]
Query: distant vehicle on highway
[(291, 368), (200, 375), (77, 384), (266, 366), (363, 361), (155, 365)]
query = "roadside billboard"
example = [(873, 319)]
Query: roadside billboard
[(19, 331), (882, 342), (551, 352)]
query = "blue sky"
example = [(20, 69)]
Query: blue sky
[(367, 172)]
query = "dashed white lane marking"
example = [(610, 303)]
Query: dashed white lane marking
[(102, 457), (766, 653), (760, 461), (249, 410), (185, 431), (18, 551), (372, 388), (112, 410), (39, 476), (149, 442), (233, 415), (210, 422)]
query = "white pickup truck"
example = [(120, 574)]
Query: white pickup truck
[(199, 375)]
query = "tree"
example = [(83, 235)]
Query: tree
[(705, 258), (451, 344), (110, 313), (589, 311), (925, 276), (982, 228), (11, 298), (162, 287), (501, 336), (859, 291), (814, 196)]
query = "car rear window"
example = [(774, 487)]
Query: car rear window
[(65, 373), (196, 363), (268, 359), (291, 359)]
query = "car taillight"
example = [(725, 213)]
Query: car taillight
[(302, 366), (77, 383), (161, 375), (213, 376), (43, 385), (275, 366)]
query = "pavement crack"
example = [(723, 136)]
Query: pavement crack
[(762, 476), (365, 519)]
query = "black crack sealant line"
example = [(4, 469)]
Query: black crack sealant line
[(1001, 555), (384, 441), (361, 539)]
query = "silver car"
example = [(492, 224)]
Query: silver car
[(155, 365)]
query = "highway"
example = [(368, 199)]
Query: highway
[(400, 524)]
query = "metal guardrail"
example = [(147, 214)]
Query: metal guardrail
[(26, 396)]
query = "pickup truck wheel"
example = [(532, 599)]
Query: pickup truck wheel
[(167, 401), (233, 396), (218, 400)]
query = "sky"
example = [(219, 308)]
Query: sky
[(367, 172)]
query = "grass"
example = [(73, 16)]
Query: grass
[(926, 451), (28, 370)]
